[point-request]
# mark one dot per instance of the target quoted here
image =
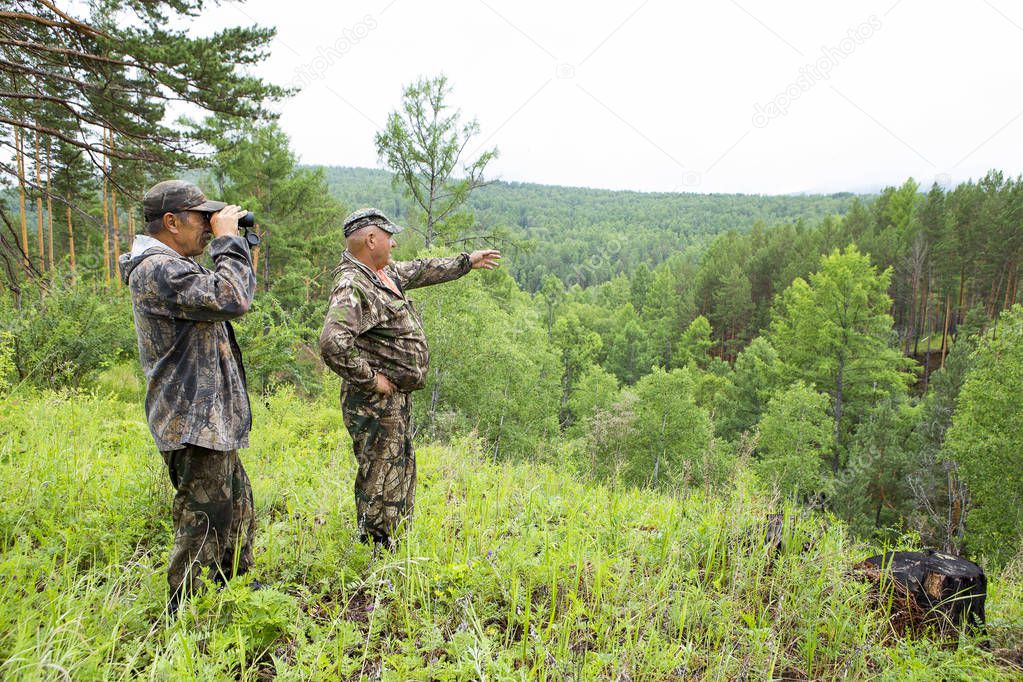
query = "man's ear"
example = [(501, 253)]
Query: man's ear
[(371, 239), (170, 223)]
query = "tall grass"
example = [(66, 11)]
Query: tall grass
[(507, 571)]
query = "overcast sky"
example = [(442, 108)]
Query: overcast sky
[(733, 96)]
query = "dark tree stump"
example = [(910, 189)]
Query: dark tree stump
[(774, 533), (939, 592)]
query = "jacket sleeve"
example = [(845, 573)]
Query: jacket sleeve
[(348, 316), (422, 272), (180, 288)]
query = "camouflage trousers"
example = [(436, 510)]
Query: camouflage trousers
[(385, 484), (214, 521)]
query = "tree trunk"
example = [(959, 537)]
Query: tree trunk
[(71, 240), (922, 326), (962, 291), (835, 460), (1015, 284), (106, 227), (1009, 284), (958, 502), (255, 253), (39, 208), (265, 246), (429, 211), (49, 199), (929, 591), (992, 303), (910, 313), (116, 237), (660, 454), (566, 380), (944, 332), (19, 143), (930, 335)]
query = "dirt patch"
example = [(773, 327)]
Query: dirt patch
[(359, 606), (1012, 658)]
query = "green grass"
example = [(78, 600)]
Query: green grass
[(508, 571)]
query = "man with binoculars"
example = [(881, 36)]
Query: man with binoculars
[(196, 401)]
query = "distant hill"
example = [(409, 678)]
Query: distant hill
[(589, 235)]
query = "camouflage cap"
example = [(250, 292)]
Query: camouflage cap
[(174, 196), (365, 217)]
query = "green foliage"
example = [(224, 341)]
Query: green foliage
[(301, 224), (595, 390), (250, 622), (938, 492), (668, 309), (986, 439), (64, 334), (577, 347), (275, 347), (671, 436), (625, 345), (655, 434), (834, 332), (6, 362), (127, 70), (580, 233), (423, 145), (756, 375), (507, 571), (874, 492), (694, 346), (795, 439), (493, 367)]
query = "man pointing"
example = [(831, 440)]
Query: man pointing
[(373, 338)]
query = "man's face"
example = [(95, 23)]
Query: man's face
[(384, 243), (194, 232)]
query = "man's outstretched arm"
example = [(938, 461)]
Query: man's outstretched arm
[(422, 272)]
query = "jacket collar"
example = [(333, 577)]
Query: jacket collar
[(347, 257)]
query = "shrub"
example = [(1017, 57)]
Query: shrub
[(65, 333)]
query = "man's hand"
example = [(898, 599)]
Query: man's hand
[(486, 259), (225, 221), (383, 385)]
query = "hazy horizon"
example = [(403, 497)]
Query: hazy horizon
[(732, 97)]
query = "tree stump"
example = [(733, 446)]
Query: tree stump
[(774, 533), (932, 590)]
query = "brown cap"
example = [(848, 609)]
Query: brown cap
[(174, 196)]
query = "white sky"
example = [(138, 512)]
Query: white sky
[(662, 96)]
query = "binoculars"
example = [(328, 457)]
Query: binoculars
[(246, 222)]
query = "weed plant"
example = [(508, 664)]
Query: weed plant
[(513, 571)]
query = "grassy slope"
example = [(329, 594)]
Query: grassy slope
[(510, 571)]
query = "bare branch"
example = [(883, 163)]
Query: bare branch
[(58, 197), (27, 261), (68, 52), (142, 156), (75, 24)]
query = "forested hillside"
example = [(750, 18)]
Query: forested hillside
[(587, 236)]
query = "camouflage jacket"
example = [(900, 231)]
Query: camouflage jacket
[(195, 389), (370, 328)]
